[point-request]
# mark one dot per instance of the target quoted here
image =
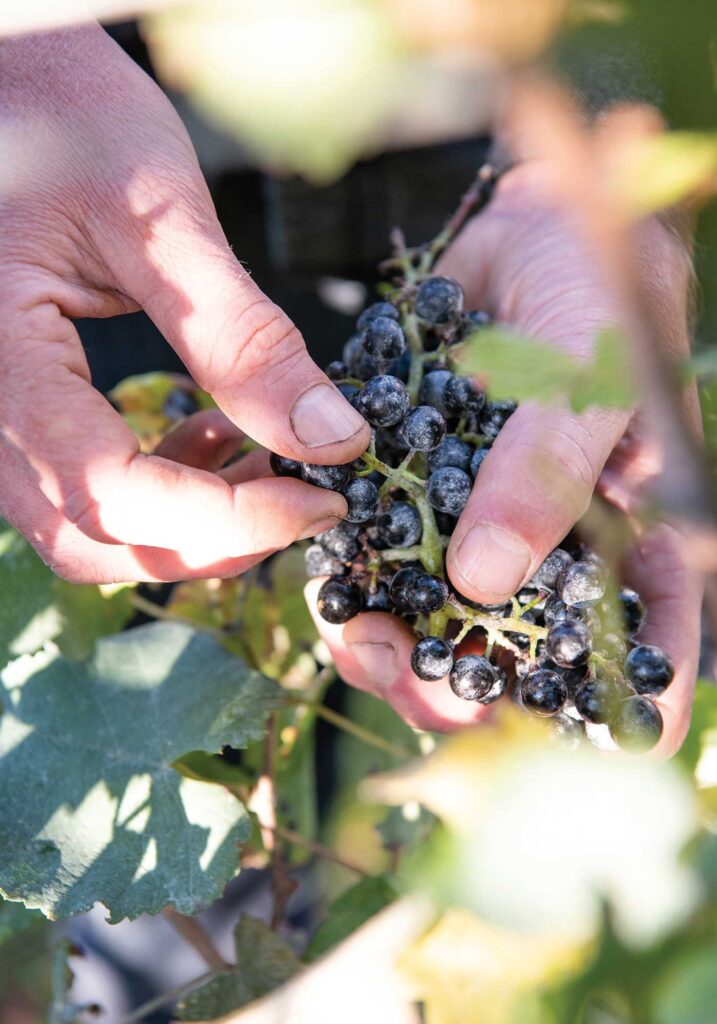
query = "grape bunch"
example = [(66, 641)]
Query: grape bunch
[(563, 647)]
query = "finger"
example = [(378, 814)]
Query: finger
[(205, 441), (237, 344), (249, 467), (532, 487), (659, 569), (90, 468), (373, 653)]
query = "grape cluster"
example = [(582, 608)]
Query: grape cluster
[(564, 647)]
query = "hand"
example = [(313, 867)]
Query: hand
[(103, 210), (525, 261)]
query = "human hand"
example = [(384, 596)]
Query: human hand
[(525, 260), (103, 210)]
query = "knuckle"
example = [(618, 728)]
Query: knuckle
[(569, 447), (265, 338)]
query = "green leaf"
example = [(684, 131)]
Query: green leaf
[(405, 827), (666, 168), (349, 912), (524, 369), (90, 806), (198, 764), (87, 613), (688, 992), (14, 918), (703, 727), (264, 962), (28, 615)]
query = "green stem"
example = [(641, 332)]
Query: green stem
[(357, 731)]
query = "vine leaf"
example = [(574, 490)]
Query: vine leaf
[(347, 913), (90, 806), (264, 961)]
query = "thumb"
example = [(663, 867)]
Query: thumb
[(236, 343)]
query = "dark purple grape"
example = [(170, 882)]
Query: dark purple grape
[(398, 587), (582, 584), (331, 478), (426, 594), (282, 466), (477, 460), (451, 452), (384, 339), (432, 387), (546, 575), (341, 541), (400, 525), (438, 300), (542, 692), (449, 490), (374, 311), (637, 725), (319, 562), (633, 611), (495, 416), (649, 670), (383, 401), (362, 499), (569, 644), (472, 677), (463, 397), (339, 600), (432, 658), (423, 428)]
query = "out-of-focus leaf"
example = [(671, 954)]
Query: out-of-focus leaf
[(589, 827), (467, 971), (28, 614), (264, 962), (90, 806), (687, 993), (520, 368), (285, 78), (213, 768), (665, 169), (143, 401), (14, 918), (701, 740), (86, 614), (349, 912), (406, 826)]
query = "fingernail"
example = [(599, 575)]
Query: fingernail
[(327, 523), (495, 561), (323, 416), (378, 660)]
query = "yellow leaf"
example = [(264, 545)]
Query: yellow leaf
[(665, 169)]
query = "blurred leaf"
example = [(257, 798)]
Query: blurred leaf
[(589, 827), (285, 79), (467, 971), (87, 614), (347, 913), (213, 768), (524, 369), (118, 824), (141, 400), (687, 992), (14, 918), (28, 614), (405, 826), (702, 736), (264, 962), (666, 169)]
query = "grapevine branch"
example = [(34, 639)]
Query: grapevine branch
[(191, 930)]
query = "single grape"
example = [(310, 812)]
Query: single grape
[(446, 524), (337, 370), (424, 428), (637, 725), (568, 732), (398, 587), (331, 478), (341, 541), (543, 692), (319, 562), (633, 611), (556, 610), (572, 677), (495, 416), (384, 339), (426, 593), (497, 689), (362, 498), (401, 367), (432, 658), (179, 404), (472, 677), (462, 396), (569, 644), (582, 584), (281, 466), (438, 300), (546, 575), (374, 311), (649, 669), (451, 452), (339, 600), (376, 597), (449, 489), (432, 387), (596, 699), (477, 460), (383, 401), (400, 525), (352, 352)]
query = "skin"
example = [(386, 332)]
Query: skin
[(103, 210), (525, 261)]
